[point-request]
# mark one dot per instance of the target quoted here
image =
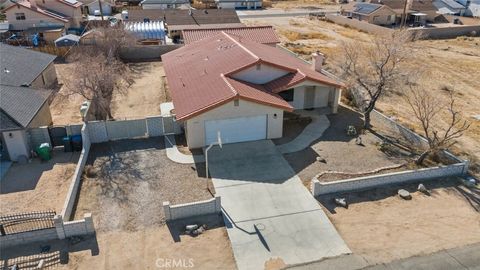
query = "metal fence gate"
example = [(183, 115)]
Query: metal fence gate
[(57, 133), (26, 222)]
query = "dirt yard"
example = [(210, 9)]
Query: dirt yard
[(159, 247), (65, 108), (451, 64), (38, 186), (133, 178), (141, 99), (381, 227), (340, 151), (144, 96)]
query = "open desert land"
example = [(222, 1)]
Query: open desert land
[(450, 64)]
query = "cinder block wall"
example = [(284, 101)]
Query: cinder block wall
[(186, 210)]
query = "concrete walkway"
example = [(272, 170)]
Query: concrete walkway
[(176, 156), (312, 132), (268, 212)]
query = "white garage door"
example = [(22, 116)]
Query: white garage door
[(234, 130)]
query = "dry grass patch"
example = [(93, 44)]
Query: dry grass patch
[(294, 35)]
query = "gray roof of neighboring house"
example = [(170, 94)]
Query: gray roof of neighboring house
[(366, 8), (19, 105), (449, 3), (19, 66), (185, 17)]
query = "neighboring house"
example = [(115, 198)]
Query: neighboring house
[(261, 34), (21, 108), (177, 20), (449, 7), (371, 13), (239, 4), (472, 7), (24, 67), (241, 88), (92, 7), (42, 16), (417, 10), (165, 4)]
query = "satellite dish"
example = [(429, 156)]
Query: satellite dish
[(219, 139)]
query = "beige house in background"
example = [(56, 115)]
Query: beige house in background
[(372, 13), (42, 15)]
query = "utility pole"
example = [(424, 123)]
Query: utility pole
[(404, 14), (100, 8)]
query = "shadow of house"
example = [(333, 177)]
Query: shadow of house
[(23, 177)]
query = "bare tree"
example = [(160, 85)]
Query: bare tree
[(427, 110), (111, 39), (372, 70), (96, 78)]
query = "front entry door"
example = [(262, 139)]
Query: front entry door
[(309, 102)]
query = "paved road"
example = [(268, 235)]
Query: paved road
[(462, 258), (269, 213), (269, 13)]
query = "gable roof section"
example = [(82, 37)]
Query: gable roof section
[(19, 66), (19, 105), (260, 34), (199, 74), (39, 10), (183, 17)]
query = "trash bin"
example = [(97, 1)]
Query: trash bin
[(77, 142), (67, 144), (43, 151)]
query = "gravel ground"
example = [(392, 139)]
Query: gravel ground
[(340, 151), (133, 178)]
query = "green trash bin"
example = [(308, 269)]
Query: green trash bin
[(43, 151)]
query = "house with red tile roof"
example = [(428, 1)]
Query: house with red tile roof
[(241, 88), (261, 34)]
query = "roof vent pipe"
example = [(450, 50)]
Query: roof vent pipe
[(317, 61)]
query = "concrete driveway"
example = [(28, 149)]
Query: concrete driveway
[(269, 213)]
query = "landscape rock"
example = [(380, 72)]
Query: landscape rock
[(341, 202), (320, 159), (423, 189), (404, 194)]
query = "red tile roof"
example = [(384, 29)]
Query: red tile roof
[(260, 34), (199, 74)]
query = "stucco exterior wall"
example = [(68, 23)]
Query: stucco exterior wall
[(31, 18), (260, 74), (196, 126), (381, 17), (16, 142), (43, 117), (74, 14), (46, 79), (324, 95), (106, 8), (165, 6)]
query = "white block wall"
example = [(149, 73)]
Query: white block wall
[(367, 182), (186, 210)]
